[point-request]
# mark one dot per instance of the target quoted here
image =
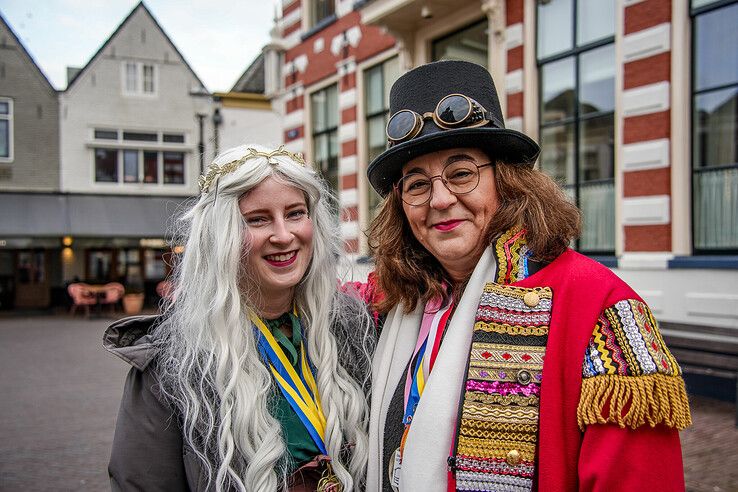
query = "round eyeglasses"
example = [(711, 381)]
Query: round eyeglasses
[(459, 177)]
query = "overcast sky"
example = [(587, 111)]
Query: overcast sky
[(218, 38)]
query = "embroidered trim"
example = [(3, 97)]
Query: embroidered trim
[(519, 400), (484, 449), (629, 376), (500, 409), (512, 256), (495, 426), (537, 331)]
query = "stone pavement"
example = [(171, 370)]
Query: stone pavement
[(60, 394)]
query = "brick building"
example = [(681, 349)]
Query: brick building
[(633, 101)]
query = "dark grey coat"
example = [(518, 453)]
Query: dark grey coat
[(149, 453)]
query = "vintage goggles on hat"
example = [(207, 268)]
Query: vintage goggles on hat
[(453, 111)]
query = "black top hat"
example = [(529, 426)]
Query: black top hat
[(420, 90)]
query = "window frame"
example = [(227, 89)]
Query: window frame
[(694, 12), (10, 117), (577, 119), (140, 79), (120, 145)]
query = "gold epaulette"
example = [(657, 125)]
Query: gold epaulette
[(629, 377)]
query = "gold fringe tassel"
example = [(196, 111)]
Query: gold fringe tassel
[(653, 398)]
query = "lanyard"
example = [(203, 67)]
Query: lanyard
[(434, 322), (300, 390)]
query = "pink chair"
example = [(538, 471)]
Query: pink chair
[(81, 297), (113, 293)]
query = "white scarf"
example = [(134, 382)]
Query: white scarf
[(434, 423)]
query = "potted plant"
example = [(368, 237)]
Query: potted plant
[(133, 300)]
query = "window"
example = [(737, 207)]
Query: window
[(130, 166), (154, 266), (148, 166), (173, 138), (324, 106), (714, 126), (321, 9), (99, 265), (174, 168), (576, 56), (6, 129), (148, 79), (140, 137), (377, 82), (106, 166), (131, 77), (467, 44), (139, 78), (106, 134)]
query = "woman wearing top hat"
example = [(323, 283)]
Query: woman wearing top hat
[(253, 377), (507, 361)]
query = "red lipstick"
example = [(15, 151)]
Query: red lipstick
[(447, 225)]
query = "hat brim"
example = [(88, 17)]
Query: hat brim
[(499, 143)]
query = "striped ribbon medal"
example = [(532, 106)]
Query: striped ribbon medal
[(299, 389), (435, 319)]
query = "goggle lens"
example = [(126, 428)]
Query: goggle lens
[(453, 109), (401, 125)]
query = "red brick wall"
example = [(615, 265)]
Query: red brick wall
[(647, 127)]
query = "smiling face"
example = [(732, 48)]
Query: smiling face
[(451, 227), (280, 233)]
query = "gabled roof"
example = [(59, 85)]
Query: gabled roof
[(40, 72), (252, 79), (120, 28)]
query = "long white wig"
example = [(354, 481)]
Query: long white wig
[(209, 364)]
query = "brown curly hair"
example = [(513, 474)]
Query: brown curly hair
[(408, 273)]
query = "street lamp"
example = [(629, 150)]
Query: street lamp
[(201, 143), (217, 121)]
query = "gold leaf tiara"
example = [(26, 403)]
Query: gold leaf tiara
[(215, 171)]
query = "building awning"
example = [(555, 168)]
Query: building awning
[(55, 215)]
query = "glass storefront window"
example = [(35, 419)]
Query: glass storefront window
[(554, 27), (576, 55), (596, 20), (557, 90), (99, 264), (597, 80), (154, 267), (714, 127)]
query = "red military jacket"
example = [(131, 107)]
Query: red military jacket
[(609, 399)]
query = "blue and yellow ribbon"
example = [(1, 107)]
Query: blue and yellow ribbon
[(300, 390)]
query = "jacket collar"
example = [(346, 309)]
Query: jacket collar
[(513, 258)]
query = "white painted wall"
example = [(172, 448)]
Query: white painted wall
[(245, 126), (97, 100), (690, 296)]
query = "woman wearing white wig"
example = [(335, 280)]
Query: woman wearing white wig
[(254, 377)]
